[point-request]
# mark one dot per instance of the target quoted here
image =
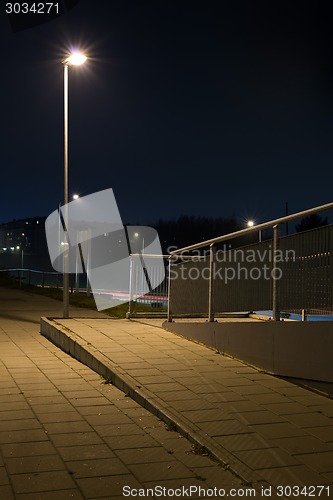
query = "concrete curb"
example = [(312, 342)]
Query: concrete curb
[(84, 352)]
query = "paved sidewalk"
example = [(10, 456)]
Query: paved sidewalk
[(66, 434), (265, 430)]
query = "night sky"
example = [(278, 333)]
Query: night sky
[(214, 108)]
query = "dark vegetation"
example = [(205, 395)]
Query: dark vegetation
[(187, 230), (311, 222)]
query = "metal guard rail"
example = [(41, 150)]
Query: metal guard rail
[(212, 242)]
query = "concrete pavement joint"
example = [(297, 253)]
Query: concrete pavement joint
[(84, 352), (98, 437)]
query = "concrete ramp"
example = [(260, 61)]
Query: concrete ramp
[(262, 429)]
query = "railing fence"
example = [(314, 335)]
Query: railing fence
[(135, 294), (284, 274), (302, 281)]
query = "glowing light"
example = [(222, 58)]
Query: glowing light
[(250, 223), (76, 59)]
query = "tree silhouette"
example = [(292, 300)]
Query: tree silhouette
[(311, 222), (187, 230)]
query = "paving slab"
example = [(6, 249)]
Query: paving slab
[(251, 423), (67, 433)]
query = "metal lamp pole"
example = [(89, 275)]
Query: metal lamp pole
[(65, 215), (75, 59)]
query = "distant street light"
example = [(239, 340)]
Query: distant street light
[(137, 235), (74, 59), (251, 223)]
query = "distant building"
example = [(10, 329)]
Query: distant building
[(24, 242)]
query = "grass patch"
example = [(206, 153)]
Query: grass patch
[(75, 299)]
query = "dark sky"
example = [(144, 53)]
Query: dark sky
[(213, 108)]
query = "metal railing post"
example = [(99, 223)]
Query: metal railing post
[(88, 287), (88, 263), (169, 291), (130, 303), (275, 277), (211, 311), (331, 266)]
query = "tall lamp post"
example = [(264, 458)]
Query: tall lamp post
[(142, 250), (251, 223), (74, 59)]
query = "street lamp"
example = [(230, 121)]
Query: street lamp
[(22, 257), (74, 59), (137, 235), (251, 223)]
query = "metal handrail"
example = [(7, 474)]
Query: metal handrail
[(27, 269), (211, 243), (258, 227), (167, 256)]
